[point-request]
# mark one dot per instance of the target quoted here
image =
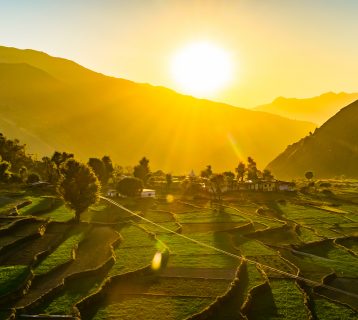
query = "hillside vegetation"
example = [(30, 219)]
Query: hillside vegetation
[(317, 109), (52, 103), (332, 150)]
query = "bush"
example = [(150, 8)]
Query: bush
[(130, 186), (15, 178), (325, 185), (327, 192), (33, 177)]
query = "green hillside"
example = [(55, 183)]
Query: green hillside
[(52, 103), (317, 109), (332, 150)]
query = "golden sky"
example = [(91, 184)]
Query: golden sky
[(278, 48)]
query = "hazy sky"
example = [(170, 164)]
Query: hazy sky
[(280, 48)]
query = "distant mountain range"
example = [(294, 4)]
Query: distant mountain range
[(317, 109), (52, 103), (331, 151)]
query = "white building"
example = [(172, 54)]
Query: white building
[(147, 193), (112, 193)]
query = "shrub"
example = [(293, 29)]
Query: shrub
[(33, 177)]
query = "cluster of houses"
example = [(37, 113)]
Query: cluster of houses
[(145, 193), (259, 185), (266, 185)]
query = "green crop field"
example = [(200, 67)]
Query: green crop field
[(62, 254), (157, 274), (11, 277)]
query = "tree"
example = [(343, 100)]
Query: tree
[(142, 170), (252, 171), (169, 180), (99, 169), (108, 165), (217, 183), (117, 174), (33, 177), (207, 173), (58, 158), (309, 175), (49, 170), (4, 171), (78, 186), (23, 173), (14, 153), (267, 175), (241, 168), (229, 177), (130, 186)]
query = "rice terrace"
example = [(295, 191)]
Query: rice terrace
[(255, 255), (178, 160)]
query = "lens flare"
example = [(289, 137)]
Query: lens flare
[(235, 146), (157, 261), (170, 198)]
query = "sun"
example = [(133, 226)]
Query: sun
[(201, 69)]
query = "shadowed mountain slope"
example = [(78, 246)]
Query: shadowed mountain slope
[(332, 150), (52, 103)]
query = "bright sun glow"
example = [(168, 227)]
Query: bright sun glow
[(202, 69)]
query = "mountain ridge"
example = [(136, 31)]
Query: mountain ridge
[(126, 120), (331, 151), (316, 109)]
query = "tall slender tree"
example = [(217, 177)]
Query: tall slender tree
[(142, 170), (241, 168)]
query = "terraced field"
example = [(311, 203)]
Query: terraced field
[(233, 261)]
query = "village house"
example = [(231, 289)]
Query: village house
[(266, 185), (147, 193)]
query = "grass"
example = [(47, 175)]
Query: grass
[(75, 291), (61, 255), (131, 259), (134, 236), (254, 276), (172, 286), (208, 216), (330, 256), (152, 307), (288, 299), (60, 214), (283, 301), (136, 250), (184, 253), (11, 277), (176, 297), (22, 231), (176, 207), (154, 229), (306, 235), (38, 204), (104, 212), (251, 248), (326, 309), (158, 216), (350, 243), (277, 263), (309, 268)]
